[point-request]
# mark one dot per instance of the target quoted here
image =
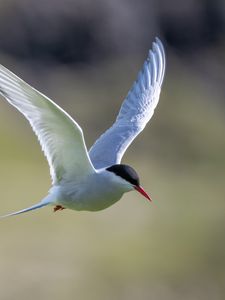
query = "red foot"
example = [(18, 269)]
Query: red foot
[(58, 207)]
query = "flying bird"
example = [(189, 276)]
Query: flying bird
[(83, 180)]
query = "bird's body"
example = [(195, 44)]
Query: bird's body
[(93, 192), (80, 180)]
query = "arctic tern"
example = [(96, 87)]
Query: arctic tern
[(83, 180)]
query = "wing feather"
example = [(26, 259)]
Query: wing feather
[(61, 138), (135, 112)]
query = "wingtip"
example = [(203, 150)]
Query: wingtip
[(158, 40), (159, 43), (157, 47), (158, 50)]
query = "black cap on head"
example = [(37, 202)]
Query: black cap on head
[(125, 172)]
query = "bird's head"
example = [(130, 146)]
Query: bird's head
[(129, 177)]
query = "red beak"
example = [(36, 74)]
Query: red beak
[(142, 191)]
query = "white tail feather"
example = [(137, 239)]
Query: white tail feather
[(36, 206)]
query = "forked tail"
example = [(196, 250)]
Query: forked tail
[(36, 206)]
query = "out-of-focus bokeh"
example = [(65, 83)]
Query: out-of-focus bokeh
[(85, 55)]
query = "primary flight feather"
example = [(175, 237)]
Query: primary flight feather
[(81, 180)]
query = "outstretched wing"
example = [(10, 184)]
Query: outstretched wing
[(136, 110), (60, 136)]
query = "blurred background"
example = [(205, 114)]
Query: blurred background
[(85, 55)]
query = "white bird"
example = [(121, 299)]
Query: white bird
[(80, 180)]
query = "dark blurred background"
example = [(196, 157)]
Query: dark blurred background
[(85, 55)]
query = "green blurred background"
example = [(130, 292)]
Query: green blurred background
[(85, 55)]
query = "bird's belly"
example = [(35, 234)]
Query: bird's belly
[(92, 200)]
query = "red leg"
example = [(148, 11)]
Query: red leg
[(58, 207)]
